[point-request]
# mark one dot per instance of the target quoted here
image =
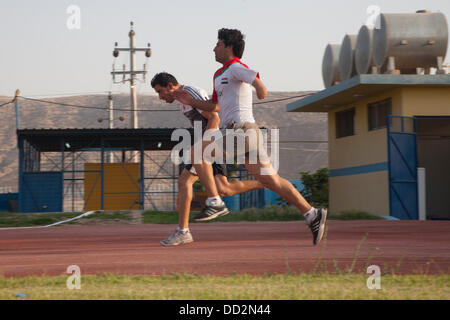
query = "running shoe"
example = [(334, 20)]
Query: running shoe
[(211, 212), (317, 225), (178, 237)]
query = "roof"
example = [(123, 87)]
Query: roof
[(53, 140), (360, 86)]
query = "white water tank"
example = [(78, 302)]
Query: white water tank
[(363, 52), (413, 40), (330, 65), (347, 57)]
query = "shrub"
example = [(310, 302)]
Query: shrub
[(315, 189)]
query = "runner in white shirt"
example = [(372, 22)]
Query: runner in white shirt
[(232, 98), (233, 91), (164, 84)]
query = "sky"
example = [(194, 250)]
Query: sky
[(285, 40)]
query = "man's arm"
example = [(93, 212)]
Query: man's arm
[(261, 91), (185, 98), (213, 119)]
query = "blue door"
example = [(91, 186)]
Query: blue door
[(402, 152), (41, 192)]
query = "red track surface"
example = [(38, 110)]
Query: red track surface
[(224, 248)]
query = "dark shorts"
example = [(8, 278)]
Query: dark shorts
[(217, 169)]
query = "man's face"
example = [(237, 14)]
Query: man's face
[(165, 93), (222, 53)]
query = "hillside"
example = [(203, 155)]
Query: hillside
[(295, 156)]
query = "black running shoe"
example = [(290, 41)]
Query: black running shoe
[(317, 226), (211, 212)]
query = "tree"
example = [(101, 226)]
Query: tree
[(315, 189)]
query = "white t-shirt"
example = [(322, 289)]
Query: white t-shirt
[(233, 92), (191, 113)]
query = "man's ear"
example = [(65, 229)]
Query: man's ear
[(170, 86)]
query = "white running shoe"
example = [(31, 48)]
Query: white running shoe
[(178, 237)]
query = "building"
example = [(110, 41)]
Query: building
[(383, 128), (70, 170)]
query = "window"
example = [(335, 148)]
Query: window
[(345, 123), (378, 112)]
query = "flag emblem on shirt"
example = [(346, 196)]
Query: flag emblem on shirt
[(224, 81)]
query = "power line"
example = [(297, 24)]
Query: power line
[(304, 141), (87, 107), (4, 104), (140, 110), (49, 95), (283, 99)]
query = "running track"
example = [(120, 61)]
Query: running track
[(224, 248)]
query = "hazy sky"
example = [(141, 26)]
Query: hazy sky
[(285, 40)]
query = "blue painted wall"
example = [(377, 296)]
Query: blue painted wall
[(41, 192), (5, 197)]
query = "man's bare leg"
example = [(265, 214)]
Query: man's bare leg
[(315, 218), (182, 234), (227, 188), (279, 185), (205, 172), (215, 207), (184, 197), (273, 182)]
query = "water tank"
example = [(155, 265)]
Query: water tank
[(330, 65), (363, 52), (414, 40), (347, 57)]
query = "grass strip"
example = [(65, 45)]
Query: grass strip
[(11, 220), (269, 213), (205, 287)]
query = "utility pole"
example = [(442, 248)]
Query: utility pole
[(132, 72), (111, 112), (17, 108), (111, 123), (16, 102)]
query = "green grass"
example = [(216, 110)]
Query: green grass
[(9, 220), (202, 287), (269, 213)]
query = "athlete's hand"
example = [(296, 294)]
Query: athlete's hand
[(183, 96)]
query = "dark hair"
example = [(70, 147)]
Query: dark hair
[(233, 37), (163, 79)]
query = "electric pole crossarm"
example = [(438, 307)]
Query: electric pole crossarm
[(128, 72), (132, 72), (133, 49)]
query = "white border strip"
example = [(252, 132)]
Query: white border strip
[(88, 213)]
